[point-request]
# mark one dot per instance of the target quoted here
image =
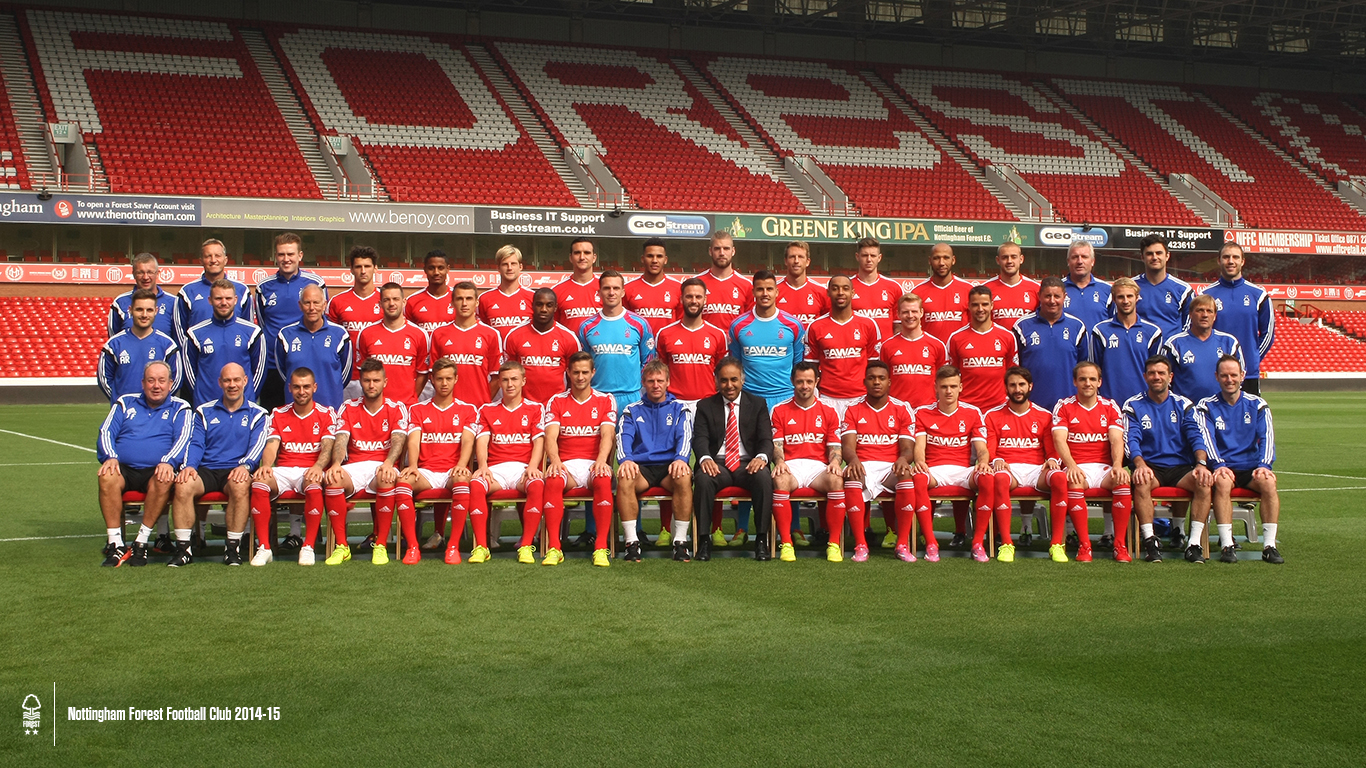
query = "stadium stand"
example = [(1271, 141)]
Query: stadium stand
[(1177, 131), (51, 337), (1319, 129), (1307, 347), (13, 170)]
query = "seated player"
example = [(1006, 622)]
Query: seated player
[(580, 429), (229, 437), (1020, 447), (298, 448), (733, 440), (1088, 432), (371, 433), (807, 454), (1237, 432), (877, 434), (126, 354), (142, 440), (440, 446), (509, 445), (945, 433), (653, 450)]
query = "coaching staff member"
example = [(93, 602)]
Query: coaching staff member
[(733, 441)]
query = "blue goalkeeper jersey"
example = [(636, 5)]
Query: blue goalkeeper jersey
[(277, 304), (1245, 313), (1121, 354), (1162, 434), (1166, 304), (621, 346), (192, 305), (143, 436), (1049, 351), (123, 358), (1194, 362), (224, 439), (1237, 435), (121, 313), (768, 348), (1090, 304), (213, 344), (326, 352)]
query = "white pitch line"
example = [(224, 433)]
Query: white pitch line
[(48, 538), (1345, 488), (54, 442), (52, 464), (1315, 474)]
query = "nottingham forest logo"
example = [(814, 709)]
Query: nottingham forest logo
[(32, 715)]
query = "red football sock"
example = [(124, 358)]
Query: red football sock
[(602, 511), (440, 513), (834, 515), (334, 501), (260, 513), (924, 509), (313, 513), (554, 508), (1076, 508), (985, 505), (782, 515), (407, 516), (382, 511), (905, 511), (460, 508), (1057, 505), (666, 515), (531, 517), (960, 518), (717, 515), (1002, 498), (479, 513), (890, 513), (853, 500), (1123, 507)]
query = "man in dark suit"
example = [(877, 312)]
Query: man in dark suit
[(733, 441)]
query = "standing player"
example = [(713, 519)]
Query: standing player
[(192, 305), (1245, 312), (945, 295), (1088, 432), (841, 343), (371, 434), (277, 305), (982, 352), (945, 433), (509, 445), (1165, 300), (913, 354), (222, 339), (798, 295), (1088, 298), (1121, 344), (652, 449), (358, 306), (475, 348), (542, 347), (691, 347), (1020, 449), (620, 342), (580, 429), (145, 275), (298, 450), (807, 454), (1012, 295), (767, 342), (509, 305), (875, 297), (577, 295), (401, 345), (654, 295), (440, 446), (728, 293), (318, 344), (1195, 352), (432, 307), (124, 356), (1051, 342), (878, 441)]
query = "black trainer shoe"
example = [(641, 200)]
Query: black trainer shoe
[(1194, 554), (1152, 553), (958, 541), (1272, 555), (232, 554), (1026, 539), (182, 556), (585, 540), (137, 556), (632, 552), (1178, 540), (114, 555), (683, 551), (1107, 541), (366, 545), (197, 542), (291, 543), (703, 549), (1072, 541), (1228, 555), (163, 544)]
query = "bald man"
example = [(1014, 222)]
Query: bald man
[(318, 344)]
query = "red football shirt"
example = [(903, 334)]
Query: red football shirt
[(370, 433), (546, 357), (511, 431), (946, 309), (949, 436), (842, 350), (577, 302), (983, 358), (580, 423), (805, 433), (659, 304), (691, 356), (442, 431), (913, 363), (877, 301), (405, 354), (503, 312), (301, 437), (476, 352), (878, 431), (806, 303), (353, 312), (1009, 303), (1088, 429), (429, 312), (1020, 438), (727, 298)]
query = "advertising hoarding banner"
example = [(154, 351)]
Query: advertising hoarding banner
[(25, 207), (1276, 241), (890, 231), (344, 216)]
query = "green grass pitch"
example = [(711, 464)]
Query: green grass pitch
[(728, 663)]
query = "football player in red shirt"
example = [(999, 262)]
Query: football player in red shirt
[(370, 436), (944, 455), (729, 294), (430, 308), (982, 351), (913, 355), (358, 306), (1012, 295), (878, 434), (654, 296), (298, 447), (543, 347), (875, 296), (1020, 446), (798, 295), (402, 346), (691, 347), (945, 295), (509, 446), (440, 445), (475, 348), (807, 454), (841, 343), (580, 430), (577, 295), (509, 305), (1088, 431)]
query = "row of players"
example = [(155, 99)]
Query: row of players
[(155, 443)]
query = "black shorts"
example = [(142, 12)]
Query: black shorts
[(1169, 477), (272, 391), (136, 478), (214, 480), (1252, 386), (654, 474), (1242, 478)]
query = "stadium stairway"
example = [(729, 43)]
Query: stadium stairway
[(22, 112)]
